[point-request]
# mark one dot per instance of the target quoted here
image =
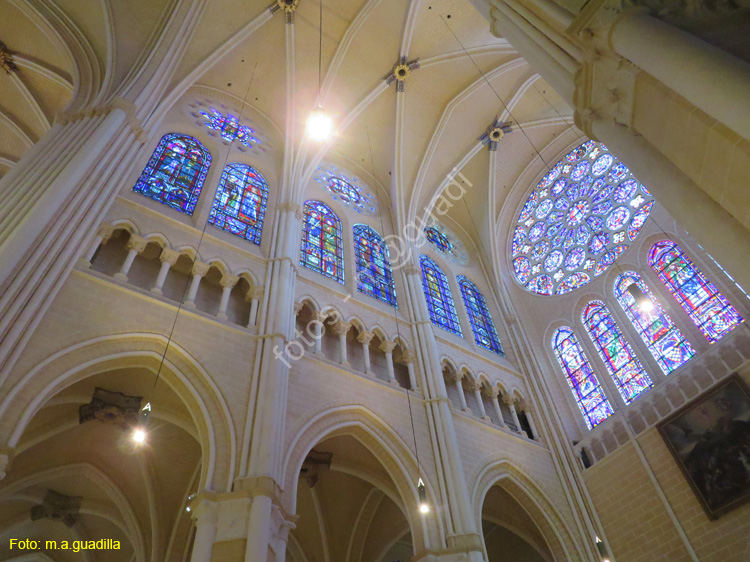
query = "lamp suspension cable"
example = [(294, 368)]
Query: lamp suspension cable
[(139, 434), (424, 507)]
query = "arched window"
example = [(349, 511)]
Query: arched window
[(321, 248), (700, 298), (175, 173), (629, 375), (482, 325), (374, 276), (586, 389), (665, 342), (438, 296), (240, 203)]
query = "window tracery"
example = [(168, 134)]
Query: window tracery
[(439, 297), (481, 321), (374, 274), (240, 203), (322, 249)]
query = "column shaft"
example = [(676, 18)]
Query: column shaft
[(193, 290), (461, 397), (498, 411), (163, 271), (127, 264)]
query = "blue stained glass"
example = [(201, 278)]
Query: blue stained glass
[(603, 194), (706, 306), (580, 170), (665, 342), (618, 172), (374, 275), (559, 186), (175, 172), (322, 249), (482, 325), (438, 295), (438, 238), (586, 389), (602, 164), (240, 203), (229, 128), (626, 370)]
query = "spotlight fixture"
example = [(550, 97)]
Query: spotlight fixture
[(424, 507), (139, 436), (644, 303)]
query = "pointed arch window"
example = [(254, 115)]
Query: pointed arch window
[(482, 325), (175, 173), (700, 298), (438, 296), (626, 370), (586, 389), (322, 249), (374, 275), (664, 340), (240, 203)]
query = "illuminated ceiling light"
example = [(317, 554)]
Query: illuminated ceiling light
[(644, 303), (319, 125), (139, 436)]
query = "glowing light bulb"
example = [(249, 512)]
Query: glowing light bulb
[(646, 306), (424, 508), (319, 125), (139, 436)]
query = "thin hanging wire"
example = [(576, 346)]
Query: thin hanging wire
[(505, 106), (398, 329), (320, 56), (198, 246)]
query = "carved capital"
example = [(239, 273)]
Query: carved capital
[(137, 243), (200, 268), (229, 281), (341, 328), (290, 207), (365, 337), (408, 356), (169, 256), (387, 346), (492, 391), (256, 292), (509, 399), (105, 232)]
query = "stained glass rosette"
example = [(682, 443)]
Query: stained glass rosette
[(347, 189), (582, 215), (443, 240)]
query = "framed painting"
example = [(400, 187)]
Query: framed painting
[(710, 441)]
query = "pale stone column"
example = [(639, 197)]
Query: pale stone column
[(168, 259), (227, 284), (318, 327), (136, 245), (341, 329), (706, 76), (101, 238), (205, 516), (387, 348), (478, 397), (365, 338), (460, 388), (254, 295), (409, 358), (199, 270), (512, 405), (494, 393), (530, 418)]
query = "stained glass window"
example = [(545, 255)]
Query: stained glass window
[(374, 275), (586, 389), (629, 375), (240, 203), (321, 249), (482, 325), (445, 241), (438, 296), (700, 298), (665, 342), (228, 126), (580, 218), (175, 173), (347, 188)]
